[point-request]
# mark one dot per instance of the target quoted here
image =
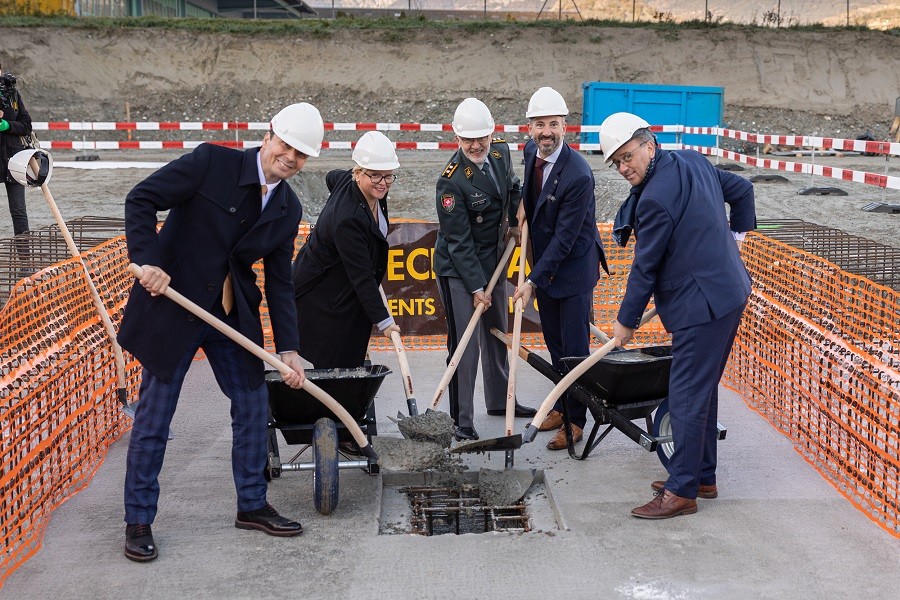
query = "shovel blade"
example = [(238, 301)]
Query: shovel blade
[(509, 442)]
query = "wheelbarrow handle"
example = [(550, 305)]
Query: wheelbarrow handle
[(250, 346), (470, 328), (570, 378)]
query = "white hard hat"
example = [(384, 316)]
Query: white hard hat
[(301, 127), (616, 130), (31, 168), (472, 119), (546, 102), (375, 151)]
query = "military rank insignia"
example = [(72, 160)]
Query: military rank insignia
[(468, 172), (496, 154), (448, 201), (448, 172)]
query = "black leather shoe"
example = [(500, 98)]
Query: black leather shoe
[(268, 520), (521, 411), (465, 433), (139, 544)]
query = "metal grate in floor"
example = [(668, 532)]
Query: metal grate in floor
[(441, 510)]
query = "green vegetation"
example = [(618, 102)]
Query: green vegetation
[(391, 26)]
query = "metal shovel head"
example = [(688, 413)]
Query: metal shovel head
[(509, 442)]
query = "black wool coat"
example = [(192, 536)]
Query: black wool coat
[(336, 276)]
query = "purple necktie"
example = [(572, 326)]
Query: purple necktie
[(538, 176)]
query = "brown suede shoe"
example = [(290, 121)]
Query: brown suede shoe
[(704, 491), (666, 506), (553, 420), (559, 440)]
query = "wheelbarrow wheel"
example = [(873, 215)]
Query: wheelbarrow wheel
[(662, 427), (325, 476)]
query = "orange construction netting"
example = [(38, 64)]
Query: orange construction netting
[(818, 355)]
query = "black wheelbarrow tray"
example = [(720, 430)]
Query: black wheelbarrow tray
[(305, 421), (623, 386)]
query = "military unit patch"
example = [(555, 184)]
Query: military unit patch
[(468, 172), (448, 172), (448, 201), (496, 154)]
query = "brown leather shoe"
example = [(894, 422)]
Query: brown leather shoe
[(666, 506), (704, 491), (553, 420), (559, 440)]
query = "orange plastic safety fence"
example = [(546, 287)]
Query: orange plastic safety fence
[(58, 394), (818, 355)]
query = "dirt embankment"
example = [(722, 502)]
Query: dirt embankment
[(773, 76)]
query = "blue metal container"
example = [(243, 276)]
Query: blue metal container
[(692, 106)]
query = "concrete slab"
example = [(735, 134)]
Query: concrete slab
[(777, 530)]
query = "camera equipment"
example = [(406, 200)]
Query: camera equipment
[(8, 82)]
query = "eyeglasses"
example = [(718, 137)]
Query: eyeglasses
[(378, 178), (483, 140), (626, 158)]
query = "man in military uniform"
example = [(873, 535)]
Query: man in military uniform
[(477, 199)]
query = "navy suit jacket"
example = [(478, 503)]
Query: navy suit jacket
[(213, 228), (685, 254), (562, 226)]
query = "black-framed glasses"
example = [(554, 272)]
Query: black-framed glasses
[(626, 158), (483, 140), (378, 178)]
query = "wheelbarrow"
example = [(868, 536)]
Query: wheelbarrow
[(623, 386), (304, 421)]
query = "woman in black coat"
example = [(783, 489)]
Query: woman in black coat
[(338, 271), (15, 122)]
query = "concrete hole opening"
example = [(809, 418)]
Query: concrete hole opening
[(433, 503)]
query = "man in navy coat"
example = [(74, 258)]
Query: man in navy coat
[(559, 205), (687, 256), (227, 209)]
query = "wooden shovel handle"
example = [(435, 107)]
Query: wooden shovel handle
[(519, 310), (250, 346), (401, 352), (470, 328)]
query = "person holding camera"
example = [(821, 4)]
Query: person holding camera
[(15, 122)]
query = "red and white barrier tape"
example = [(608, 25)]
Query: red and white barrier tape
[(885, 181)]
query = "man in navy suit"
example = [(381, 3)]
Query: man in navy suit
[(687, 256), (559, 206), (227, 209)]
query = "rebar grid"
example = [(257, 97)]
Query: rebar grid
[(877, 262), (446, 509)]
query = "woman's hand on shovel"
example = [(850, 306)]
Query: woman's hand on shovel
[(390, 329), (622, 334), (154, 280), (296, 378)]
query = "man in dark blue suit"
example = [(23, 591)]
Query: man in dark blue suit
[(559, 206), (227, 209), (687, 256)]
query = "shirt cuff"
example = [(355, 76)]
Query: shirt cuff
[(531, 283), (382, 325), (739, 235)]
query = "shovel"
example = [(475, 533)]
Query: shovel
[(570, 377), (470, 328), (404, 366), (126, 408), (248, 345), (509, 442)]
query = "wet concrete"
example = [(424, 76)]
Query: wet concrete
[(503, 487), (398, 454), (431, 426)]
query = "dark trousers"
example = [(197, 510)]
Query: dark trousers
[(249, 420), (699, 356), (494, 353), (565, 324), (17, 210)]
